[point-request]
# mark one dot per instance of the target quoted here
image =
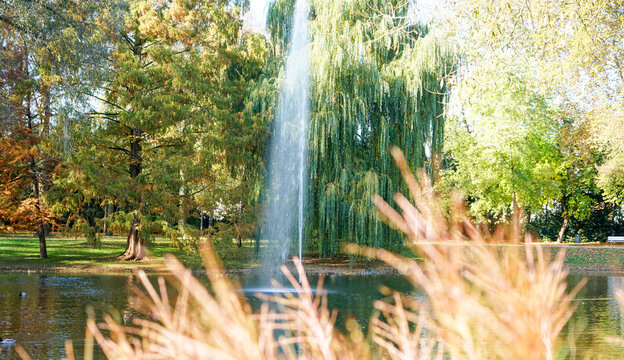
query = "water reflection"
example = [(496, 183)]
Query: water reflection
[(54, 309), (597, 316), (352, 295), (613, 284)]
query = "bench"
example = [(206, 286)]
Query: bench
[(615, 239)]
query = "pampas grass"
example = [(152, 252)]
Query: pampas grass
[(485, 302)]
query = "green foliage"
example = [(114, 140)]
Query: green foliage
[(93, 239), (376, 82), (161, 109), (171, 130), (603, 220), (611, 180), (573, 52), (119, 222), (503, 144), (186, 241)]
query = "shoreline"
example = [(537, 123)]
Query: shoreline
[(579, 258), (318, 268), (310, 270)]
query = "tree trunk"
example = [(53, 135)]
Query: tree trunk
[(37, 186), (201, 222), (47, 110), (134, 244), (135, 249), (566, 218), (108, 211), (564, 227), (37, 190), (105, 217), (181, 209), (516, 219), (43, 251), (43, 174)]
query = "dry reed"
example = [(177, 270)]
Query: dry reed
[(485, 302)]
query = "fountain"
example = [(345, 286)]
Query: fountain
[(287, 175)]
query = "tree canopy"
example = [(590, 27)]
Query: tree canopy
[(504, 146), (139, 117), (377, 81), (571, 51)]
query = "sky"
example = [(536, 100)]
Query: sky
[(255, 18)]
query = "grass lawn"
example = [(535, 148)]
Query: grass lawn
[(68, 254), (595, 258), (23, 253)]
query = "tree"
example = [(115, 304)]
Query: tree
[(176, 89), (21, 183), (503, 146), (376, 81), (36, 63), (233, 155), (579, 159), (609, 128), (575, 49)]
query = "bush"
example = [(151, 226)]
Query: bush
[(80, 228), (93, 239), (186, 241)]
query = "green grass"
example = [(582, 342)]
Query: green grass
[(61, 251), (593, 256), (23, 252), (604, 258), (230, 254)]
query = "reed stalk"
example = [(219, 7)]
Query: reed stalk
[(486, 301)]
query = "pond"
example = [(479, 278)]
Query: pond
[(54, 308)]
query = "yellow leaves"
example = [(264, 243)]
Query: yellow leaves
[(152, 27), (184, 22), (179, 10)]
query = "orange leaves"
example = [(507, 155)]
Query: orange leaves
[(28, 214), (22, 169), (179, 10)]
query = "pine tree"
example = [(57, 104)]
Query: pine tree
[(174, 93)]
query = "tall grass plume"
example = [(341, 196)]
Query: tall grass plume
[(484, 302)]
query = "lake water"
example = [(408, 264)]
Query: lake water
[(54, 309)]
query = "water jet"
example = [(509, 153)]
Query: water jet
[(287, 166)]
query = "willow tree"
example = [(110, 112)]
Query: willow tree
[(377, 82)]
